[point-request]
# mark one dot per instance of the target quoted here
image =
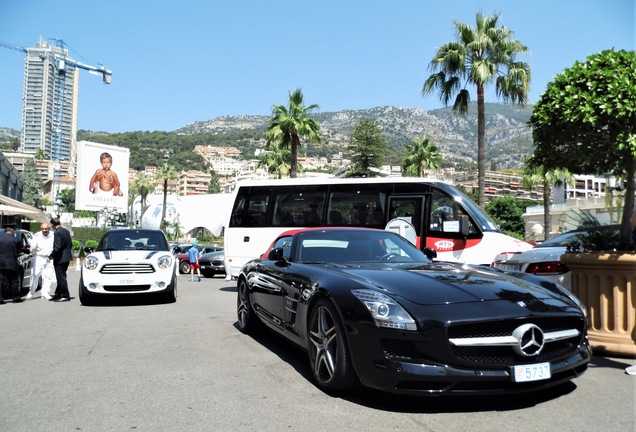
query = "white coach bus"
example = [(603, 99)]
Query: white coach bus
[(438, 215)]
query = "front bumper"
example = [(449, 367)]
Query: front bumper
[(94, 282), (437, 379), (212, 267)]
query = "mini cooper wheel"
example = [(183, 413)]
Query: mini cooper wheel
[(170, 296), (248, 322), (85, 298), (328, 352)]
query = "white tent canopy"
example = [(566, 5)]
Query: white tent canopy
[(193, 211), (29, 212)]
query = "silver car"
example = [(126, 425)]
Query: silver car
[(545, 259)]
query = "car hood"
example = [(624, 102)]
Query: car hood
[(129, 255), (446, 283)]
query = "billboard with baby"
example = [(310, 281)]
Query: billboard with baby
[(102, 177)]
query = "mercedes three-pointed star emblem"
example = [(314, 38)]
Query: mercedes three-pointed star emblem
[(529, 340)]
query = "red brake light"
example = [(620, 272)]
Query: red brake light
[(547, 268)]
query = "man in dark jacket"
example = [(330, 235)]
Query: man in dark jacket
[(61, 257), (9, 265)]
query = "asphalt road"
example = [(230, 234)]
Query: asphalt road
[(145, 366)]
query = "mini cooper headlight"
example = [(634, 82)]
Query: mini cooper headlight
[(164, 261), (90, 263), (385, 311)]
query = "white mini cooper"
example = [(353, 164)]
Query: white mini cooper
[(129, 261)]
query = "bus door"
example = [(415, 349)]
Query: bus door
[(409, 208)]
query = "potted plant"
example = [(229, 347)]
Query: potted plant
[(76, 247)]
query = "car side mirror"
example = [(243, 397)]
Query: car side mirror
[(430, 253), (464, 227), (275, 254)]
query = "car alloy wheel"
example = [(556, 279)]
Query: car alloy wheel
[(184, 267), (247, 321), (328, 352)]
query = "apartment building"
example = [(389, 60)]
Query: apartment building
[(50, 88), (193, 182)]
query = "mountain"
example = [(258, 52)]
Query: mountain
[(508, 138), (8, 134)]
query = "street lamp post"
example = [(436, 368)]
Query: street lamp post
[(57, 208)]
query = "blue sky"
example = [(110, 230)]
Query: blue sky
[(175, 63)]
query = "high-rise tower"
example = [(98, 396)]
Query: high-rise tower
[(49, 102)]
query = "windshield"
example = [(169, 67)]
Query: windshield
[(133, 240), (342, 246), (560, 241)]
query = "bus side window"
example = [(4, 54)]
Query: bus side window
[(239, 208), (446, 215)]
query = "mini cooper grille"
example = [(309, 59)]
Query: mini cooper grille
[(127, 268)]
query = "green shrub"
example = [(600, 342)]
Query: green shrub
[(91, 243)]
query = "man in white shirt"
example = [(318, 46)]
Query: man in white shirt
[(41, 248)]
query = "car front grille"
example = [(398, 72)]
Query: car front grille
[(124, 268), (126, 288), (495, 356)]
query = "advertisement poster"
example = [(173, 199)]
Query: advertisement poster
[(102, 177)]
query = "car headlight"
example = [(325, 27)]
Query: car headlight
[(385, 311), (164, 261), (90, 263)]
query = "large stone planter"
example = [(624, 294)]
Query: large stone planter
[(606, 284)]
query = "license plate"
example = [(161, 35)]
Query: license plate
[(126, 281), (533, 372), (202, 266), (511, 267)]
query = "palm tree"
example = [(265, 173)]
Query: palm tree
[(275, 161), (422, 155), (165, 174), (534, 175), (143, 185), (480, 55), (288, 124)]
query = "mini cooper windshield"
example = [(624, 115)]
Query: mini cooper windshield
[(133, 240)]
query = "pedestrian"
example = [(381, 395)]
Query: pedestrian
[(41, 248), (61, 257), (9, 247), (193, 254)]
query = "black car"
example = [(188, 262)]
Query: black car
[(211, 263), (25, 260), (370, 308), (181, 252)]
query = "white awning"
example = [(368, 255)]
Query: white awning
[(34, 213)]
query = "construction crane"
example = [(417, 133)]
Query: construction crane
[(62, 62)]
